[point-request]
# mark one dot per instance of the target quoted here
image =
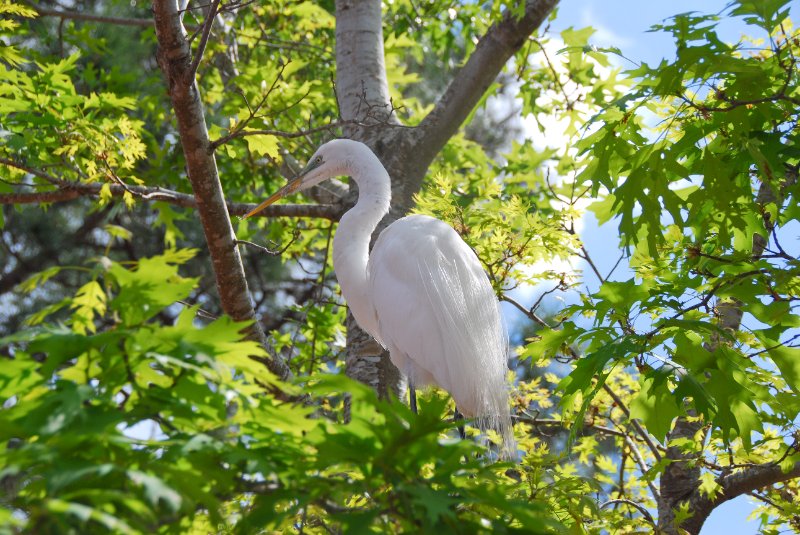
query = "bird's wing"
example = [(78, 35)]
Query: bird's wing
[(438, 314)]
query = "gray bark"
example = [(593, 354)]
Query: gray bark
[(363, 94)]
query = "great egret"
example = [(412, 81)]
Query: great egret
[(421, 292)]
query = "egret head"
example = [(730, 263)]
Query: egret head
[(331, 159)]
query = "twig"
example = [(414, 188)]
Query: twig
[(638, 426), (591, 263), (637, 456), (706, 299), (551, 422), (272, 252), (528, 312), (198, 55), (570, 104), (765, 499), (69, 190), (633, 504), (200, 312)]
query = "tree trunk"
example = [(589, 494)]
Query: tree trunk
[(363, 94)]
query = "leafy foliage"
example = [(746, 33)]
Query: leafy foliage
[(147, 427), (703, 199)]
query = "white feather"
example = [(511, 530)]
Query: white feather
[(439, 317)]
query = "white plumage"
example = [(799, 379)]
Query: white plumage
[(421, 293)]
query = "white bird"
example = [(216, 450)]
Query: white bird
[(421, 292)]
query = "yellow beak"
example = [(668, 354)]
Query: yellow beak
[(291, 187)]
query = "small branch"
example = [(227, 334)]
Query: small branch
[(556, 76), (198, 55), (633, 504), (637, 455), (69, 190), (551, 422), (73, 15), (706, 299), (271, 252), (642, 432), (733, 103), (591, 263), (765, 499), (528, 312)]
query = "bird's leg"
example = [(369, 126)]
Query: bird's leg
[(457, 416), (412, 397)]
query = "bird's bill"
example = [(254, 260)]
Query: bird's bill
[(291, 187)]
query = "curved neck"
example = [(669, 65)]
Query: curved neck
[(351, 242)]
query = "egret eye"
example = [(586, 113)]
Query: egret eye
[(318, 160)]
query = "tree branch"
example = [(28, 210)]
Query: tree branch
[(734, 485), (201, 48), (651, 444), (633, 504), (175, 60), (331, 212), (69, 190), (470, 83), (74, 15), (754, 478), (59, 195)]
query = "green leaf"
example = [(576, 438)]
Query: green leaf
[(37, 279), (118, 232), (18, 376), (263, 145), (620, 296), (88, 303), (709, 486), (786, 358), (655, 405), (156, 491), (84, 513), (604, 208), (550, 342), (150, 286)]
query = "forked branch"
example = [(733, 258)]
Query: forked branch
[(470, 83)]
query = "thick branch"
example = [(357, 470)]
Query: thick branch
[(330, 212), (471, 82), (361, 82), (59, 195), (751, 479), (175, 60), (734, 485)]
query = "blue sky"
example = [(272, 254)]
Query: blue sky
[(625, 24)]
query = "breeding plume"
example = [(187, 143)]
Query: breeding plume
[(421, 292)]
